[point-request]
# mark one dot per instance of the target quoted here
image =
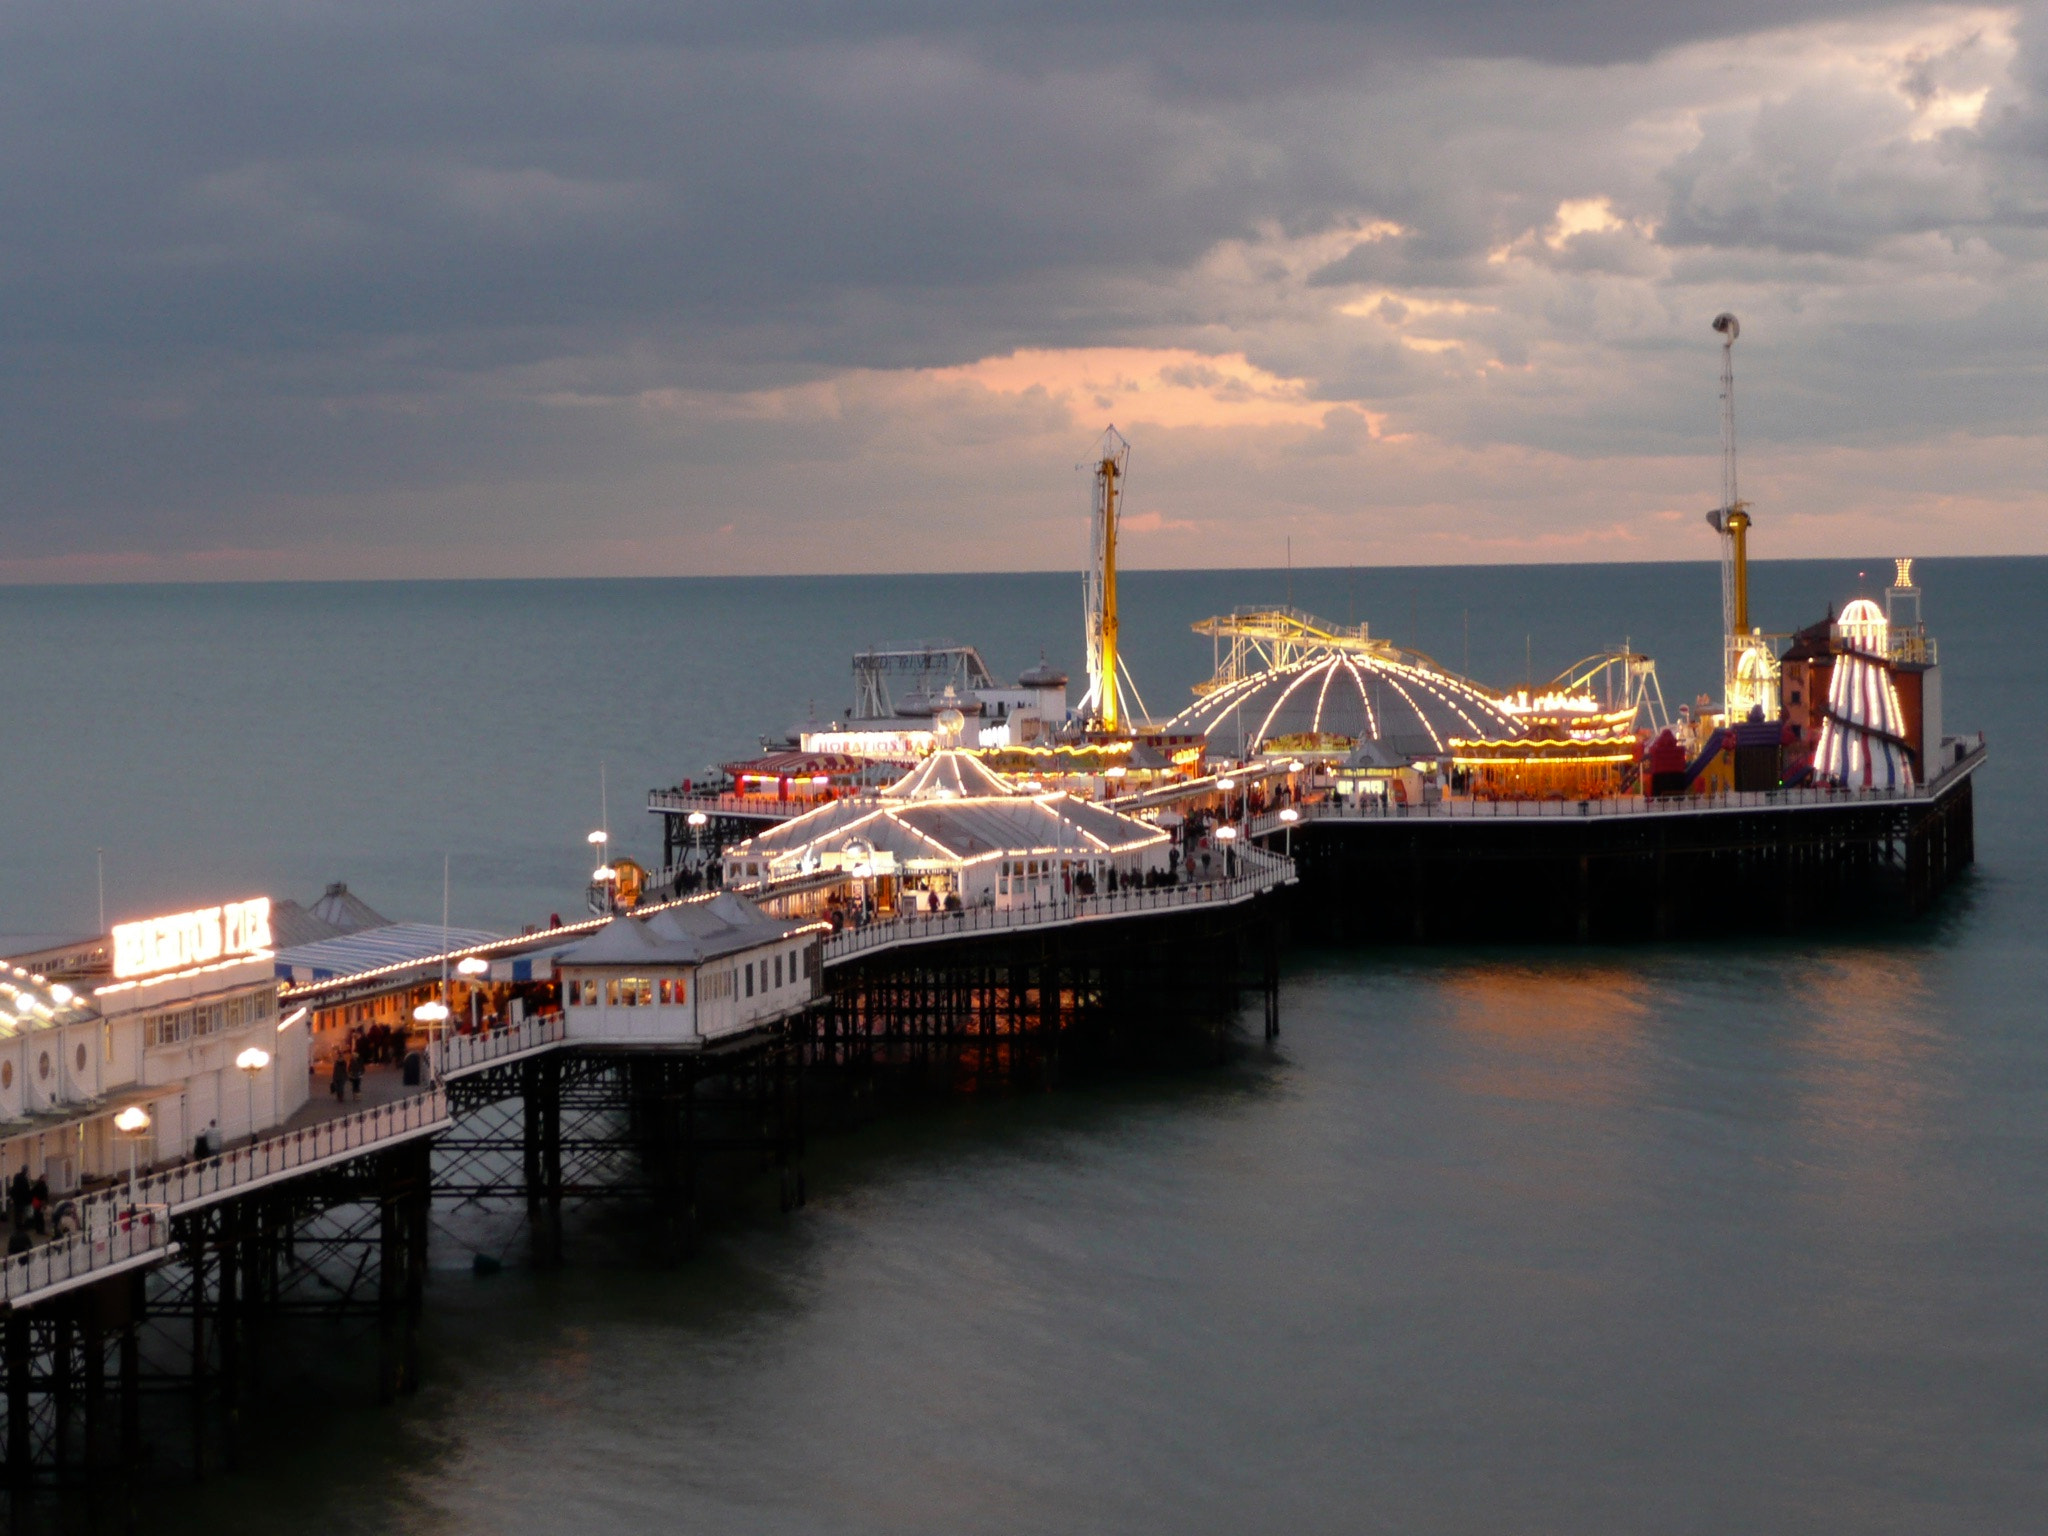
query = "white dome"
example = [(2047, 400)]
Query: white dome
[(1414, 709)]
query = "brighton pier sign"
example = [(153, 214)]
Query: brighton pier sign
[(188, 939)]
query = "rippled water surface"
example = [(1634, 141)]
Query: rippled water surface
[(1688, 1239)]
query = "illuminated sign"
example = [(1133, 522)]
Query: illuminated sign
[(191, 938), (883, 744)]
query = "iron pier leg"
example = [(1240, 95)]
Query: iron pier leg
[(200, 1236), (19, 1472), (95, 1385)]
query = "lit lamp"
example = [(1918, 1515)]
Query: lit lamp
[(252, 1061), (133, 1124), (1288, 818)]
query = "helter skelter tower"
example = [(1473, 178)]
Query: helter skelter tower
[(1749, 670), (1102, 707)]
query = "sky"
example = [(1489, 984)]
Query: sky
[(309, 290)]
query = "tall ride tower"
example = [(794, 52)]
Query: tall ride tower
[(1749, 670), (1102, 707)]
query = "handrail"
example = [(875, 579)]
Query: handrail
[(1374, 809), (1262, 871), (109, 1220), (117, 1242), (453, 1054), (671, 801)]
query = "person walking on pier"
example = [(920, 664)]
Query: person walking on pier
[(337, 1080), (17, 1200), (355, 1076)]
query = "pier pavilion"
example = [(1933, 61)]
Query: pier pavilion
[(183, 1026)]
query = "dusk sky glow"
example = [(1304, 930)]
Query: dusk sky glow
[(620, 288)]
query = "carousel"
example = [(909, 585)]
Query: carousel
[(952, 834)]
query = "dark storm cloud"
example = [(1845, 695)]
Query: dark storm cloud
[(258, 251)]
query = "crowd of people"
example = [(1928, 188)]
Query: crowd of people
[(367, 1045)]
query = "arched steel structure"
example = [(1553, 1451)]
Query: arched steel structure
[(1289, 677)]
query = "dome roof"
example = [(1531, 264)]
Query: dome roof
[(1413, 708)]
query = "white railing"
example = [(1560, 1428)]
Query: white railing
[(751, 807), (127, 1222), (1260, 872), (208, 1179), (112, 1240), (454, 1055), (1371, 808)]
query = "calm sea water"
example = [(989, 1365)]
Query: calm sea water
[(1690, 1239)]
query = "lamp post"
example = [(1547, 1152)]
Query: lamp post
[(1227, 836), (1226, 832), (698, 821), (1288, 818), (472, 966), (133, 1124), (252, 1061)]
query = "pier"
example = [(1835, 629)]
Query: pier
[(179, 1278)]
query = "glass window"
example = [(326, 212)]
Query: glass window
[(611, 993), (681, 988), (646, 992), (750, 978), (778, 970)]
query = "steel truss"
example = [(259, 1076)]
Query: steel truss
[(346, 1242), (1016, 1007), (584, 1124)]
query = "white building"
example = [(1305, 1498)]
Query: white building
[(688, 975), (189, 995)]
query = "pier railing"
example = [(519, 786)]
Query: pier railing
[(1259, 871), (456, 1055), (673, 802), (271, 1157), (1375, 810), (129, 1224), (111, 1242)]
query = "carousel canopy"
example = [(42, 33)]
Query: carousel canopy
[(950, 775), (950, 811), (1413, 708)]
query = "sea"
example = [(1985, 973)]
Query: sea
[(1694, 1238)]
